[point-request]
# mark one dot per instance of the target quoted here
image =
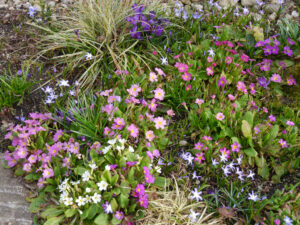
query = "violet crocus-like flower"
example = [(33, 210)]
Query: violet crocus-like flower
[(262, 81), (134, 131), (256, 130), (276, 78), (140, 190), (268, 50), (107, 207)]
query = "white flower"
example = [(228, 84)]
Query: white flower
[(122, 141), (102, 185), (226, 170), (76, 83), (88, 199), (80, 201), (72, 92), (245, 10), (107, 167), (251, 175), (96, 198), (63, 83), (112, 141), (211, 52), (253, 196), (120, 148), (87, 190), (68, 201), (93, 166), (223, 158), (106, 149), (86, 176), (48, 90), (288, 220), (193, 215), (75, 182), (130, 149), (196, 195), (164, 61), (214, 162), (158, 169), (89, 56)]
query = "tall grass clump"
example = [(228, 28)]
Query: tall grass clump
[(94, 39), (173, 207)]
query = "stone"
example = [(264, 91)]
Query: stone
[(227, 3), (13, 207), (51, 3), (257, 16), (270, 8), (272, 16), (295, 14), (186, 2), (197, 7), (249, 2)]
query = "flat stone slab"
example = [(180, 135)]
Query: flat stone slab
[(14, 210)]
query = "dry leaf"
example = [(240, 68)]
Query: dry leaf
[(227, 212)]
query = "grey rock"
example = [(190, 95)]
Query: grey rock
[(249, 2), (227, 3), (270, 8)]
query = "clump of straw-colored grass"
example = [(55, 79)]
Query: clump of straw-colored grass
[(98, 27), (172, 207)]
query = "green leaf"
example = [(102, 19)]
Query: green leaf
[(272, 134), (114, 204), (106, 175), (54, 221), (36, 203), (249, 118), (32, 176), (102, 219), (161, 182), (92, 211), (246, 129), (51, 212), (80, 170), (114, 179), (40, 142), (125, 189), (70, 212), (250, 152), (50, 188), (124, 200), (131, 178)]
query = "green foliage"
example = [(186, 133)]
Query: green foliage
[(13, 88)]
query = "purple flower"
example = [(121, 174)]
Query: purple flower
[(268, 50), (287, 51), (119, 215), (272, 118), (262, 81), (259, 44), (107, 207), (144, 201), (48, 173), (222, 81), (276, 78)]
